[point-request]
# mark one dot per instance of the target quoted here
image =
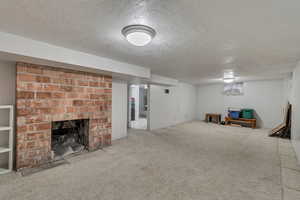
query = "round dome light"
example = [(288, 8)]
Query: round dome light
[(138, 35)]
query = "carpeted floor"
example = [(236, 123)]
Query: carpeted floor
[(190, 161)]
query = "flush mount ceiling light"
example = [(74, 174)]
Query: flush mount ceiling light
[(228, 76), (138, 35), (228, 80)]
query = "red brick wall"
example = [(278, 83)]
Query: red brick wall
[(46, 94)]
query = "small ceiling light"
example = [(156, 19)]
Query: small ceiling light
[(228, 80), (228, 76), (138, 35)]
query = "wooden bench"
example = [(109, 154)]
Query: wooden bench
[(241, 121), (213, 117)]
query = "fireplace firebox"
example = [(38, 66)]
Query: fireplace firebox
[(46, 96), (69, 137)]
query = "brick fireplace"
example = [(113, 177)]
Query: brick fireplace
[(46, 95)]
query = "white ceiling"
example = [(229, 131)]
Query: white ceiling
[(196, 39)]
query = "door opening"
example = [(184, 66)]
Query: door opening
[(138, 107)]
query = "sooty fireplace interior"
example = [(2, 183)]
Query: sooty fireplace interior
[(69, 137)]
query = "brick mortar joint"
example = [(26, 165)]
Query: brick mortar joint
[(26, 154)]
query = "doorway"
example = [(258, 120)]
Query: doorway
[(138, 106)]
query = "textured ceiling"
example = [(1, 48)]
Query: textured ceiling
[(196, 39)]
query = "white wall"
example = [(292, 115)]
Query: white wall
[(288, 86), (267, 98), (19, 48), (7, 82), (119, 110), (295, 99), (7, 96), (169, 109)]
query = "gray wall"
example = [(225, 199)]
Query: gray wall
[(119, 109), (169, 109), (7, 96), (295, 99), (265, 97)]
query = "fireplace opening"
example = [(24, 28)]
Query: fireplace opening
[(69, 137)]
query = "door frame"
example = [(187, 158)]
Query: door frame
[(129, 106)]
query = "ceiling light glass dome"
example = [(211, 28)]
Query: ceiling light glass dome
[(138, 35)]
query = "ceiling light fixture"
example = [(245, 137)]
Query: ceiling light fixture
[(138, 35), (228, 80), (228, 76)]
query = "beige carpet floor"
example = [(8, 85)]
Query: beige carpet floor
[(191, 161)]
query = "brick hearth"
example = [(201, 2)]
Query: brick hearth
[(46, 94)]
